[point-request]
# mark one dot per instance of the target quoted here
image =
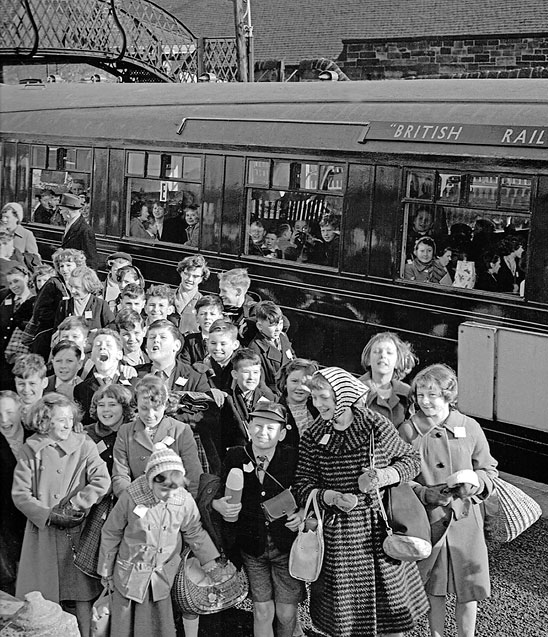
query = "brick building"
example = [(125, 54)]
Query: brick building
[(372, 39)]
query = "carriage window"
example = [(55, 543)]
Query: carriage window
[(154, 164), (471, 237), (136, 164), (56, 171), (294, 211), (420, 185)]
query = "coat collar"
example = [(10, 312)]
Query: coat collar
[(141, 436), (37, 442), (425, 424), (141, 493)]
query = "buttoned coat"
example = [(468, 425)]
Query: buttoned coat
[(97, 313), (457, 529), (396, 408), (24, 240), (80, 236), (194, 349), (83, 393), (272, 358), (144, 550), (133, 448), (48, 474)]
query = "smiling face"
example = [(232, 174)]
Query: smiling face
[(296, 391), (157, 308), (10, 417), (162, 347), (221, 346), (191, 216), (158, 212), (150, 409), (110, 412), (271, 240), (424, 253), (230, 295), (133, 339), (106, 354), (66, 365), (18, 283), (137, 305), (432, 402), (9, 219), (30, 389), (257, 232), (265, 434), (272, 331), (423, 221), (62, 422), (247, 375), (324, 401), (191, 279), (327, 232), (65, 268), (206, 316)]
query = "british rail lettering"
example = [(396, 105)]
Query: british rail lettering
[(524, 136), (435, 132)]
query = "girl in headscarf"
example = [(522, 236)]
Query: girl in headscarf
[(361, 592)]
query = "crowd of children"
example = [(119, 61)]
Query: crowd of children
[(111, 391)]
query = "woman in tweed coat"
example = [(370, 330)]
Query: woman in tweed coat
[(361, 592)]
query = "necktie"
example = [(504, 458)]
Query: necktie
[(161, 374), (260, 470)]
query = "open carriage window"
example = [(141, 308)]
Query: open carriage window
[(473, 234), (294, 211)]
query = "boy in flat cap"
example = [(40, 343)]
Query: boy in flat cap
[(268, 469), (78, 233)]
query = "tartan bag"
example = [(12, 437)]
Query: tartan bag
[(194, 592), (87, 553), (508, 512), (19, 343)]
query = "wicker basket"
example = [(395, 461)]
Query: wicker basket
[(508, 512), (192, 591)]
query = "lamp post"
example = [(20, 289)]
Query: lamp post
[(244, 40)]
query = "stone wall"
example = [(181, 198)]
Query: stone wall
[(445, 57)]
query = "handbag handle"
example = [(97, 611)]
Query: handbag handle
[(381, 503), (312, 501)]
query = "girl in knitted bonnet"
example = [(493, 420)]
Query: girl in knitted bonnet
[(141, 545)]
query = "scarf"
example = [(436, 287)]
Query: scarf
[(346, 388)]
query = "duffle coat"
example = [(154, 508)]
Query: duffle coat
[(134, 446), (459, 562), (361, 592), (141, 541), (50, 473)]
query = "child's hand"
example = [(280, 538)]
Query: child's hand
[(438, 496), (223, 506), (78, 428), (220, 573), (294, 520), (218, 396), (346, 502), (465, 490)]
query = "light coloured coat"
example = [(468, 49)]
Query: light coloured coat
[(48, 474)]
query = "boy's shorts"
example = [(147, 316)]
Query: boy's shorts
[(269, 577)]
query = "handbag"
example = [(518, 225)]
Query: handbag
[(100, 615), (408, 532), (306, 554), (86, 556), (193, 591), (279, 506), (508, 512)]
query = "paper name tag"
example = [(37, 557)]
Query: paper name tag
[(88, 314), (325, 439), (248, 468), (181, 381), (125, 381), (101, 446), (168, 440), (66, 298), (140, 510), (289, 354), (8, 302), (263, 399), (460, 432)]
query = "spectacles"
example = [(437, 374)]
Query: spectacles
[(160, 479)]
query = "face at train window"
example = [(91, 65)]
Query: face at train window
[(423, 252), (328, 232), (143, 213), (257, 232), (158, 211), (192, 216), (271, 240), (423, 221)]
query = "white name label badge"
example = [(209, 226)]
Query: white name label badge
[(460, 432), (8, 302), (88, 314), (101, 446), (168, 440), (289, 354), (248, 468), (181, 381), (140, 510), (325, 439)]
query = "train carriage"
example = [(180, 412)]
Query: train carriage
[(323, 191)]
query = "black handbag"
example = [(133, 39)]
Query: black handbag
[(408, 531)]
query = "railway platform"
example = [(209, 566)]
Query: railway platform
[(537, 490)]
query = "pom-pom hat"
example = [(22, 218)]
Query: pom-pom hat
[(162, 459)]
